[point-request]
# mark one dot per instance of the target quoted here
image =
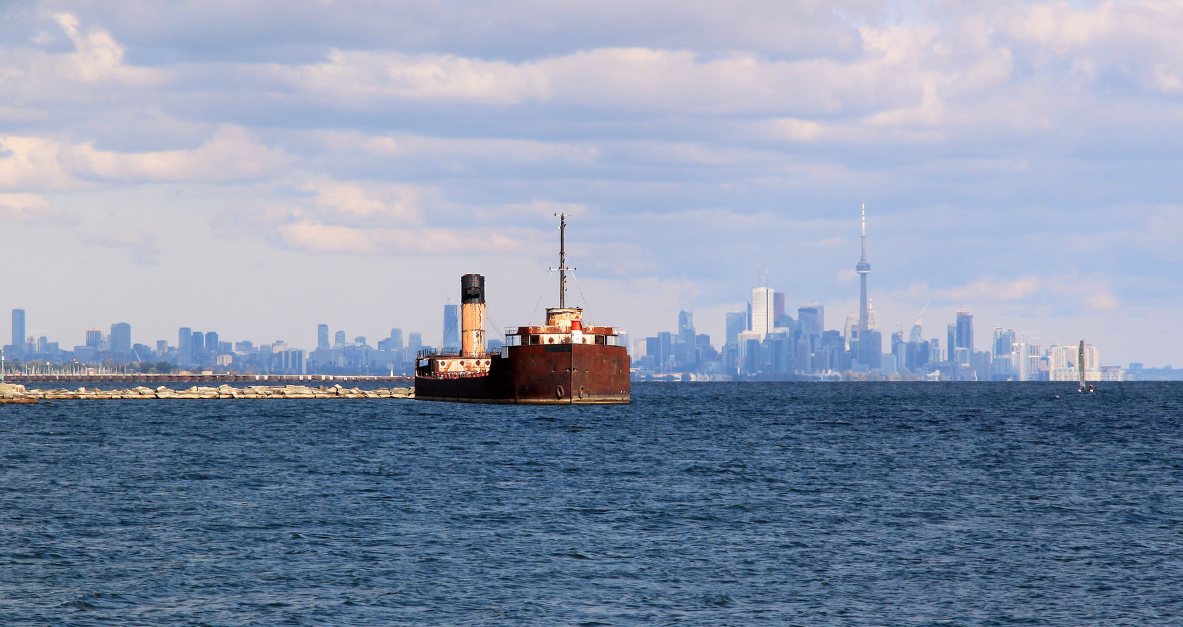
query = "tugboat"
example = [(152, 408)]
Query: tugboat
[(559, 363)]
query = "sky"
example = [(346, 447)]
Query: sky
[(258, 167)]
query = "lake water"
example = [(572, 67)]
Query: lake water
[(698, 504)]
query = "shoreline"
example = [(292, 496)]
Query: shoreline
[(15, 393)]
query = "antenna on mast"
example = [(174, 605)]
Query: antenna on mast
[(562, 260)]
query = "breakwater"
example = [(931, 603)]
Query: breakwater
[(135, 377), (14, 393)]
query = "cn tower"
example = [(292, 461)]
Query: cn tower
[(863, 268)]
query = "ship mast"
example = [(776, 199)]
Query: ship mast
[(562, 260)]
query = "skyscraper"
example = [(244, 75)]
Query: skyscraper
[(94, 337), (322, 337), (778, 309), (451, 326), (197, 344), (415, 341), (686, 346), (737, 322), (863, 268), (763, 314), (185, 342), (811, 319), (396, 339), (18, 327), (951, 344), (965, 331), (339, 338), (121, 337), (1004, 342), (211, 342)]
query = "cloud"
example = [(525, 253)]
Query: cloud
[(230, 155), (141, 246), (47, 164), (368, 218), (1063, 292), (309, 236), (1017, 154), (29, 208)]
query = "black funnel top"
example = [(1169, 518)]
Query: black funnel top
[(472, 289)]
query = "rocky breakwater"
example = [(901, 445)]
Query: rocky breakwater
[(18, 393), (10, 393)]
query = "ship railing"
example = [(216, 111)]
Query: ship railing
[(459, 375)]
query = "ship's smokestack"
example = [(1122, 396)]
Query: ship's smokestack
[(472, 315)]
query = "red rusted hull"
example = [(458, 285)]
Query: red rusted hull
[(540, 374)]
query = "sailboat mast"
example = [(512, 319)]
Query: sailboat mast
[(562, 260), (1080, 362)]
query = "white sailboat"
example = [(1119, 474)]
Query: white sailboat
[(1080, 368)]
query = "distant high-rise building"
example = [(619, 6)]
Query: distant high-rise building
[(871, 349), (686, 346), (211, 342), (396, 339), (185, 342), (339, 338), (121, 337), (451, 326), (161, 347), (1004, 342), (322, 337), (863, 268), (914, 336), (737, 322), (850, 331), (360, 340), (94, 337), (415, 341), (811, 319), (197, 344), (18, 327), (763, 316), (660, 347), (965, 331), (951, 332), (778, 308)]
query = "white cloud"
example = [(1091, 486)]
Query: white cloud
[(368, 218), (31, 208), (47, 164)]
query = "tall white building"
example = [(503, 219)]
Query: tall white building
[(1063, 366), (763, 312), (1025, 361)]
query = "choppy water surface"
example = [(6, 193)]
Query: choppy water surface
[(698, 504)]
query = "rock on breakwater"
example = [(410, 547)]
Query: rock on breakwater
[(18, 393)]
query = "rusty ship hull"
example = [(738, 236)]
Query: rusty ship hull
[(550, 374)]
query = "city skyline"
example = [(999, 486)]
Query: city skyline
[(759, 319), (1011, 163)]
